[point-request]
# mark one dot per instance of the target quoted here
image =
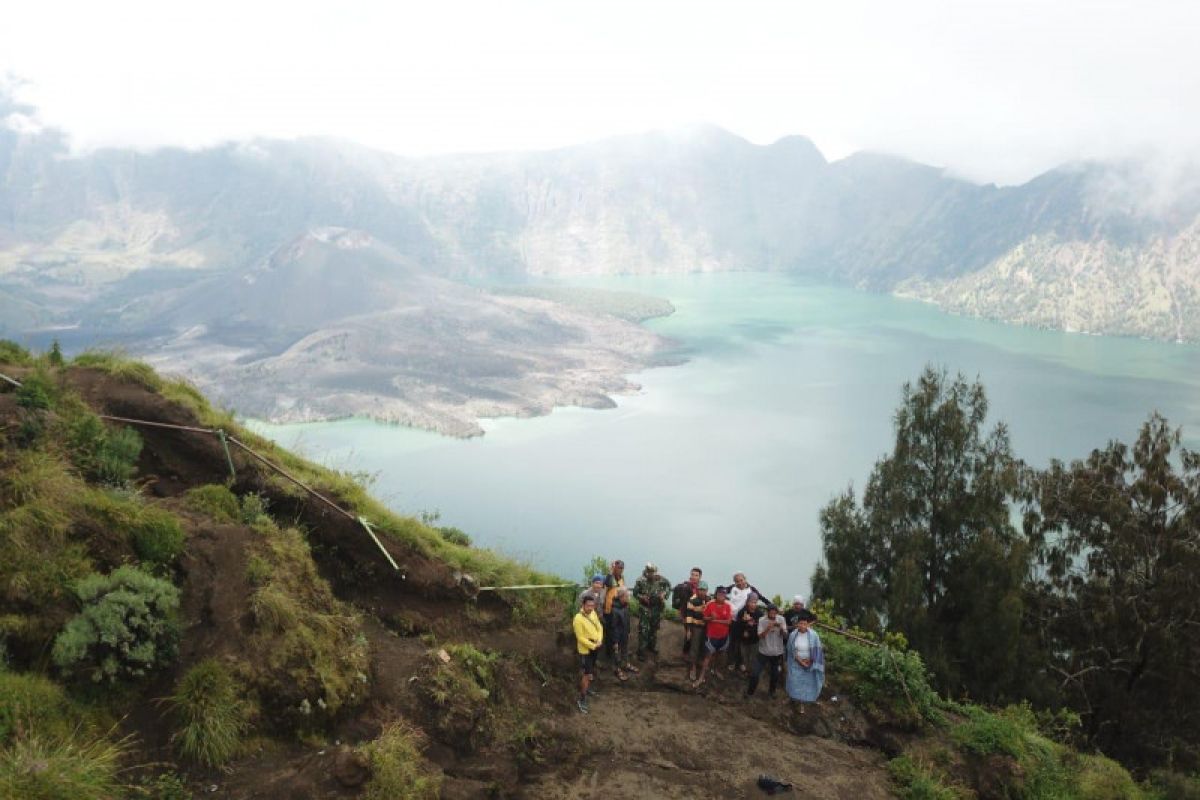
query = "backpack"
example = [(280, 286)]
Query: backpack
[(680, 595)]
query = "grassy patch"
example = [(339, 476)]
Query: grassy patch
[(216, 501), (915, 780), (314, 657), (13, 354), (211, 714), (154, 533), (32, 702), (119, 365), (36, 767), (1045, 768), (399, 771), (38, 561)]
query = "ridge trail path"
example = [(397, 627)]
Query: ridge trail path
[(654, 737)]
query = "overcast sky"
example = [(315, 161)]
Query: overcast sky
[(993, 90)]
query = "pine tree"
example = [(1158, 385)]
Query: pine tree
[(932, 550)]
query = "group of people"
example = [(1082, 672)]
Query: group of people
[(736, 623)]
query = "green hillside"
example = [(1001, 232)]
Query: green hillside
[(180, 622)]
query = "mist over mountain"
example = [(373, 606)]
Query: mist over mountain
[(240, 252)]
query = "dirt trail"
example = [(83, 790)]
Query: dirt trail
[(663, 744)]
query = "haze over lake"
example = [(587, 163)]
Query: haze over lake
[(724, 461)]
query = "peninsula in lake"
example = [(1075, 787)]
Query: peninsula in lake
[(313, 279)]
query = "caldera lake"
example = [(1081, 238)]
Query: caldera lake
[(786, 398)]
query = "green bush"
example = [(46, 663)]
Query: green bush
[(13, 353), (398, 770), (36, 767), (38, 392), (211, 714), (156, 536), (882, 680), (216, 501), (103, 454), (32, 701), (126, 629)]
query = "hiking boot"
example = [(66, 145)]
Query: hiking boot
[(582, 705)]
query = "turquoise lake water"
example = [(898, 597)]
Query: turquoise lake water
[(724, 461)]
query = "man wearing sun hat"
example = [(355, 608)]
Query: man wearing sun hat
[(651, 591)]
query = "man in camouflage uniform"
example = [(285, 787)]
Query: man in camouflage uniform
[(652, 591)]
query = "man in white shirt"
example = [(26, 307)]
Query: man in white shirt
[(737, 595)]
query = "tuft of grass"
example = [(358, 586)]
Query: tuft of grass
[(915, 780), (211, 714), (216, 501), (107, 455), (399, 771), (36, 767)]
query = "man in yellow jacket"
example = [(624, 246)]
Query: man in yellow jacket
[(589, 633)]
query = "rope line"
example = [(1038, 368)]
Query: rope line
[(226, 438)]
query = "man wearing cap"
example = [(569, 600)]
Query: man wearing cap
[(612, 583), (651, 591), (693, 621), (595, 589), (798, 612)]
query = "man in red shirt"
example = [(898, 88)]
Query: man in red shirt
[(718, 616)]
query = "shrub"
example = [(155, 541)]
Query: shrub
[(216, 501), (211, 714), (32, 701), (37, 767), (398, 769), (126, 629), (882, 680), (103, 454)]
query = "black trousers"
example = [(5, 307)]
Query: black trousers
[(773, 665)]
